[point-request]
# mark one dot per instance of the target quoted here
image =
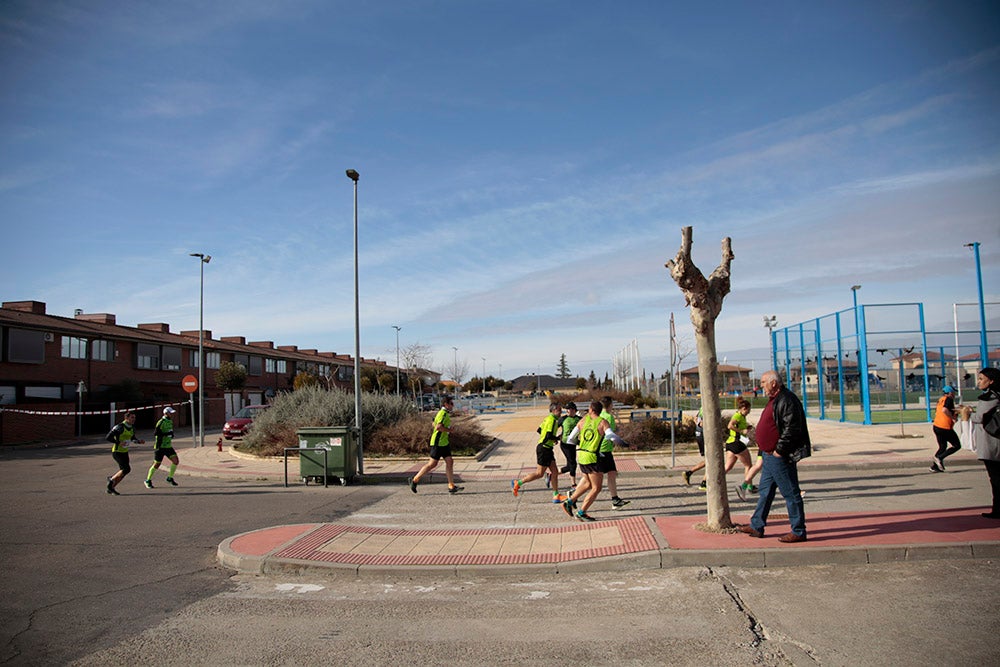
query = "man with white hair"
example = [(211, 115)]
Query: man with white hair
[(783, 440)]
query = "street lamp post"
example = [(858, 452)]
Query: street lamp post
[(397, 357), (484, 375), (354, 176), (203, 260), (983, 347)]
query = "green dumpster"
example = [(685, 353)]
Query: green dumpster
[(341, 453)]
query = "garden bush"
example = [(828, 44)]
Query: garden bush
[(390, 425)]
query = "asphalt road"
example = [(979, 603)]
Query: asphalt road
[(96, 580)]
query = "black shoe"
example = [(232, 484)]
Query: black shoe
[(148, 483), (934, 467), (111, 488), (171, 482), (687, 477), (940, 462), (455, 489), (413, 485), (991, 515)]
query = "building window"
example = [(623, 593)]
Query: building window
[(25, 347), (213, 360), (270, 365), (102, 350), (282, 366), (171, 358), (256, 366), (242, 359), (148, 356), (74, 348), (345, 373)]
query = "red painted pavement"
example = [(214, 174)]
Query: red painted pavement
[(962, 524), (262, 542)]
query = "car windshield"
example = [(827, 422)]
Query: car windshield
[(246, 413)]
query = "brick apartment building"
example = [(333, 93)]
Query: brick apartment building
[(44, 358)]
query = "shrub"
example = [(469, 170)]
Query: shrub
[(276, 427), (411, 437), (391, 425), (648, 434)]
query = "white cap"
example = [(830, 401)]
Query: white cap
[(168, 411)]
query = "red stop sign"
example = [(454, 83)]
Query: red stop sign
[(190, 384)]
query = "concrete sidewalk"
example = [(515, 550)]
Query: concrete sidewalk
[(869, 498)]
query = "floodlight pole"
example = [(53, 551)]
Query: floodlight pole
[(354, 176), (984, 352)]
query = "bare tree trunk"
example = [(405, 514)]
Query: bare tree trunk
[(705, 297)]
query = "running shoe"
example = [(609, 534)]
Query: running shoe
[(583, 516), (455, 489), (618, 503), (703, 486), (687, 477), (171, 482), (559, 499), (934, 467), (568, 506), (148, 483), (515, 487), (413, 485), (940, 463), (111, 488), (741, 492)]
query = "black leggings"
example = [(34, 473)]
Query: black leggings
[(121, 458), (946, 436), (993, 470), (570, 452)]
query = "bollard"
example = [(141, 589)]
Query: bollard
[(219, 444)]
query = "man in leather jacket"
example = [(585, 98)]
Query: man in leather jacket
[(783, 439)]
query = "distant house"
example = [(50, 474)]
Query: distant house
[(528, 383), (731, 378)]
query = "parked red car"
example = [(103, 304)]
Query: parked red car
[(238, 425)]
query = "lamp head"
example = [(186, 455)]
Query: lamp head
[(855, 288), (353, 175)]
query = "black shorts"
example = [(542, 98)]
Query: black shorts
[(544, 456), (161, 452), (589, 468), (736, 447), (121, 458), (438, 453), (606, 462), (700, 439)]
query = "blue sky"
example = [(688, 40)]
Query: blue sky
[(526, 167)]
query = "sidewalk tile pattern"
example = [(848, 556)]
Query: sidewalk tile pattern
[(362, 545)]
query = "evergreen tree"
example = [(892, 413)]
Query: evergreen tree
[(562, 369)]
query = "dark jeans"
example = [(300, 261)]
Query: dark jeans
[(782, 475), (946, 436), (993, 470)]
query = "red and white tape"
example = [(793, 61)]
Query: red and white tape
[(89, 412)]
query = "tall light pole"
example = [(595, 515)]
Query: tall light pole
[(397, 357), (204, 259), (983, 348), (454, 370), (484, 375), (771, 322), (354, 176)]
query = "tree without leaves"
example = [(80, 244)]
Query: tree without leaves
[(705, 297)]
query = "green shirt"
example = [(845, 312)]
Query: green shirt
[(741, 424), (122, 434), (440, 438), (590, 440), (568, 424), (607, 445), (547, 431), (164, 432)]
